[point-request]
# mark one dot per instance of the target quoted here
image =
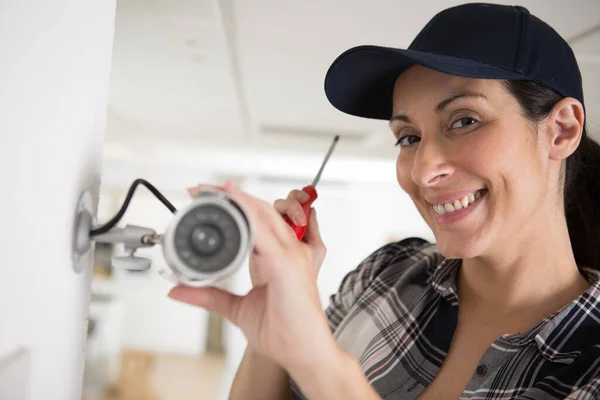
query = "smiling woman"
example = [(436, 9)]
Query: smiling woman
[(494, 154), (479, 145)]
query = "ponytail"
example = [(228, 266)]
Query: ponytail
[(582, 202), (581, 176)]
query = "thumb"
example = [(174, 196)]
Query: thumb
[(210, 298)]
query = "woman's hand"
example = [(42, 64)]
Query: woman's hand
[(292, 207), (281, 316)]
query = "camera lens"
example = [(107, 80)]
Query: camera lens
[(207, 239)]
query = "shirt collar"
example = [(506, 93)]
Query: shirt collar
[(548, 334), (555, 331), (443, 278)]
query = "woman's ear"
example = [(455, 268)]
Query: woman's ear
[(564, 127)]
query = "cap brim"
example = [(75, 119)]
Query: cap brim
[(361, 80)]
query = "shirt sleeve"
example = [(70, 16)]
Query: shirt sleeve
[(358, 280)]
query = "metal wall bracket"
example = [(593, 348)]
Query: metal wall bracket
[(82, 242)]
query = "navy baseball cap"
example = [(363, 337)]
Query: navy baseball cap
[(476, 40)]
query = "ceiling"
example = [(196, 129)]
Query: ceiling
[(248, 74)]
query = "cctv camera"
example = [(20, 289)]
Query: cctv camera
[(208, 240)]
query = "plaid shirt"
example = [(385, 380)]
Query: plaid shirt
[(396, 314)]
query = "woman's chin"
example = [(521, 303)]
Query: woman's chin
[(455, 248)]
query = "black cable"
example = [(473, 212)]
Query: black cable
[(115, 220)]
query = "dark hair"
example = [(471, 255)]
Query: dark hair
[(581, 175)]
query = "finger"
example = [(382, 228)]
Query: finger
[(313, 234), (270, 229), (193, 191), (257, 211), (210, 298), (313, 238), (292, 209), (299, 195)]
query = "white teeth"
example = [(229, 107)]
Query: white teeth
[(463, 202)]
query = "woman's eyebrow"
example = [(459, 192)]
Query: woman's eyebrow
[(444, 103), (441, 105), (399, 117)]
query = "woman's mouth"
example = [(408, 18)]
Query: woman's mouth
[(464, 202), (459, 208)]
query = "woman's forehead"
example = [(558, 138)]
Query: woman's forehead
[(423, 85)]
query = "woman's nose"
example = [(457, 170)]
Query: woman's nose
[(431, 166)]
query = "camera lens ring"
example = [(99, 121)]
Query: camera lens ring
[(208, 198)]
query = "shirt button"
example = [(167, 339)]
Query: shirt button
[(481, 370), (411, 388)]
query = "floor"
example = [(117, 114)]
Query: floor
[(167, 377), (182, 378)]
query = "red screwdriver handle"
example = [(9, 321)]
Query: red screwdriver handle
[(301, 230)]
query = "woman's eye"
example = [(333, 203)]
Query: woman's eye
[(405, 141), (462, 122)]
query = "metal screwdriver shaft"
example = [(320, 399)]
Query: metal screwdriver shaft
[(312, 194), (316, 180)]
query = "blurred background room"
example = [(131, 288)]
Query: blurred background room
[(207, 90)]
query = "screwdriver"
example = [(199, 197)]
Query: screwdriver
[(312, 193)]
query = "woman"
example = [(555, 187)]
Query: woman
[(487, 109)]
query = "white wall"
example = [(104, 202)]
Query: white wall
[(54, 77)]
